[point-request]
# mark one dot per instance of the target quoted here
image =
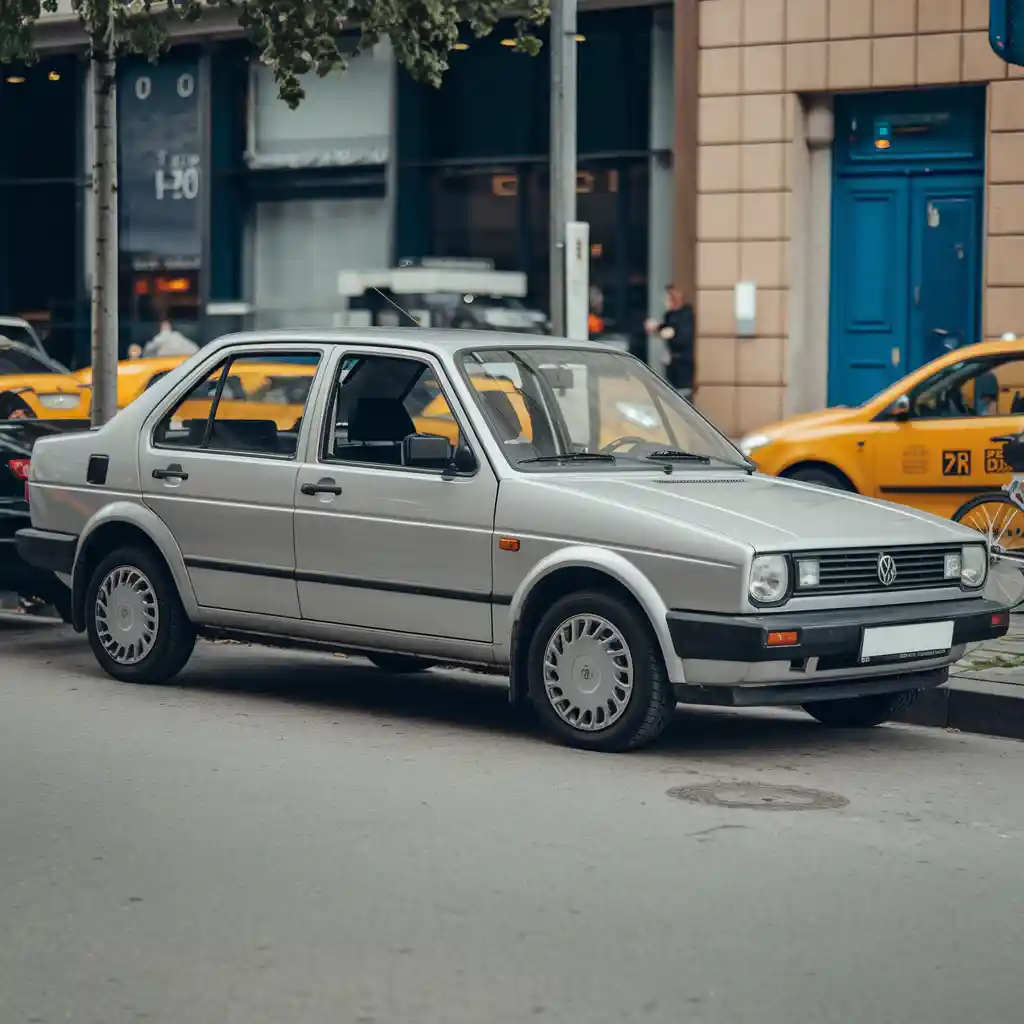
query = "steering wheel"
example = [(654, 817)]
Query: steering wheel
[(614, 446)]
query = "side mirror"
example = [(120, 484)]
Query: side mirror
[(427, 451), (463, 461), (900, 409)]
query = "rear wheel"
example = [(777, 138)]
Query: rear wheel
[(820, 475), (400, 664), (861, 712), (137, 626)]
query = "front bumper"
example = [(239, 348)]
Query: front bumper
[(728, 660)]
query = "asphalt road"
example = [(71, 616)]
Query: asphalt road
[(290, 839)]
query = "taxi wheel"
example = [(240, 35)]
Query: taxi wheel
[(861, 712), (821, 476), (596, 675), (137, 626), (400, 664)]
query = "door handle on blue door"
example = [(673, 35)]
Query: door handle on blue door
[(312, 489), (174, 472)]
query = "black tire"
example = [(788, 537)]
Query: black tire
[(822, 476), (652, 701), (400, 664), (861, 712), (175, 634)]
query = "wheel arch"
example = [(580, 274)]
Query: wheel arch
[(820, 464), (117, 525), (571, 570)]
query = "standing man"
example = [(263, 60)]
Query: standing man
[(169, 342), (676, 329)]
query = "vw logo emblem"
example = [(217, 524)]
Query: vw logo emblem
[(886, 570)]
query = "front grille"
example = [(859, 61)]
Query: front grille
[(856, 571)]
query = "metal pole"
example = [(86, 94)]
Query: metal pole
[(563, 150), (104, 241)]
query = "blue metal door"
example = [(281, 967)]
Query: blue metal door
[(945, 250), (870, 286)]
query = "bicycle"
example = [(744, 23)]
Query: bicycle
[(999, 515)]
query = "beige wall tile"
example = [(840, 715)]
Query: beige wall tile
[(757, 406), (938, 58), (762, 166), (716, 359), (763, 68), (719, 119), (1014, 71), (1006, 157), (773, 312), (976, 15), (718, 264), (765, 263), (761, 361), (720, 71), (716, 315), (1004, 263), (1007, 106), (764, 21), (1005, 209), (894, 17), (848, 19), (718, 403), (849, 64), (892, 61), (980, 63), (806, 19), (762, 118), (718, 216), (806, 67), (720, 22), (761, 216), (718, 168), (1004, 311), (939, 15)]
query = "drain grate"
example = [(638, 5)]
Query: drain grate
[(759, 796)]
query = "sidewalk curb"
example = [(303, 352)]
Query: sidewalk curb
[(988, 713)]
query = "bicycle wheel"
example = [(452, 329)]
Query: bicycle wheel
[(999, 519)]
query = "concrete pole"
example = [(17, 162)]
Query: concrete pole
[(563, 150), (104, 243)]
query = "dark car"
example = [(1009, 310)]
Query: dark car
[(34, 586)]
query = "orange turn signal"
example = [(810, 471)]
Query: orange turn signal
[(788, 639), (508, 543)]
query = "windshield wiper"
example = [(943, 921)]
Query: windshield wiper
[(673, 455), (571, 457)]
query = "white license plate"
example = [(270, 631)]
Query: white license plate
[(897, 643)]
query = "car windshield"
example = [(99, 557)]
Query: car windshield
[(552, 408), (19, 359)]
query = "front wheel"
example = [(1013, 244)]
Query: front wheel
[(820, 475), (596, 675), (861, 712), (999, 520), (137, 626)]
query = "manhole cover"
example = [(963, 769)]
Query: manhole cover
[(759, 796)]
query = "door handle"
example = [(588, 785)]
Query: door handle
[(174, 472), (312, 489)]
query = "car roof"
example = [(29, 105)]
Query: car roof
[(13, 321), (435, 341)]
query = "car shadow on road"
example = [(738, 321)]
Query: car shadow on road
[(480, 703)]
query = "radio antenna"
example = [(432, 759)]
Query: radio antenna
[(404, 312)]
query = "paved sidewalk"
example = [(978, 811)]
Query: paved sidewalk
[(985, 693)]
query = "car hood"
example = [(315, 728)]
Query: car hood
[(767, 513), (808, 422)]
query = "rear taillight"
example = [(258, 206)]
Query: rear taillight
[(19, 467)]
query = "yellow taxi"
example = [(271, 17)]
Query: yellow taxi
[(34, 385), (926, 441), (134, 376)]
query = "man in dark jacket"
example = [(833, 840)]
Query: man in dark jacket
[(676, 329)]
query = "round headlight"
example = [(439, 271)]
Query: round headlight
[(769, 579), (973, 566)]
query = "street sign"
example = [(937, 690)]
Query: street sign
[(1006, 29)]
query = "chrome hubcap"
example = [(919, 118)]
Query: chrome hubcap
[(588, 673), (127, 616)]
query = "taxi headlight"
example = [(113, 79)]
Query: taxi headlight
[(973, 566), (59, 400), (752, 442), (769, 579)]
